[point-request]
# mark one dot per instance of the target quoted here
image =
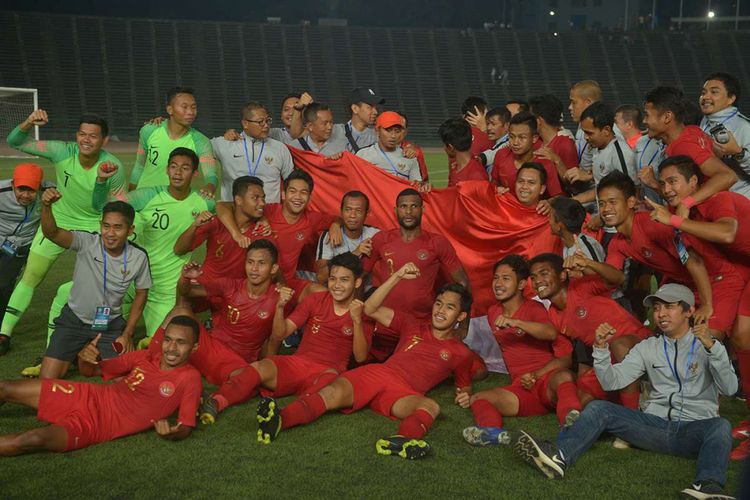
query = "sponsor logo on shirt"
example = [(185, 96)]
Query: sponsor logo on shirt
[(387, 254), (166, 389), (581, 312), (423, 254), (445, 354), (347, 330), (262, 314)]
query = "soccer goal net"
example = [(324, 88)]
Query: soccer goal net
[(16, 104)]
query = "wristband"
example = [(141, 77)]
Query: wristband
[(676, 221), (689, 202)]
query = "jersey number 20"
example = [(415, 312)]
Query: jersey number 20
[(161, 220)]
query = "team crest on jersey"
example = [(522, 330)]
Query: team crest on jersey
[(581, 312), (601, 168), (268, 159), (445, 354), (347, 330), (262, 314), (647, 252), (166, 389), (519, 332), (693, 368), (401, 166), (300, 236), (423, 254)]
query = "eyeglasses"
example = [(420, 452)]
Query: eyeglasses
[(267, 121)]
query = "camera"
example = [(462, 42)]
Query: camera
[(720, 134)]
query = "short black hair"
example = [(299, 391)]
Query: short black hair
[(471, 102), (532, 165), (241, 184), (120, 207), (264, 244), (312, 109), (668, 99), (187, 321), (553, 259), (517, 263), (172, 93), (462, 291), (289, 96), (601, 114), (524, 117), (249, 107), (408, 192), (630, 113), (731, 83), (619, 181), (356, 194), (569, 212), (349, 261), (501, 111), (194, 160), (522, 105), (547, 107), (685, 166), (457, 133), (94, 119), (299, 174)]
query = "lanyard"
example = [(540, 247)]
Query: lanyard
[(29, 211), (393, 167), (722, 122), (247, 157), (347, 240), (124, 265), (687, 366), (581, 150), (658, 150)]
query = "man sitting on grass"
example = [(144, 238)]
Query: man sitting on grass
[(688, 369)]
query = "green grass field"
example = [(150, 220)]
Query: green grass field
[(333, 457)]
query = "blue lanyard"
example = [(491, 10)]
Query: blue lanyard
[(687, 366), (124, 265), (29, 210), (393, 167), (658, 150), (722, 122), (247, 156), (347, 240), (581, 150)]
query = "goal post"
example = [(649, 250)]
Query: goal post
[(16, 104)]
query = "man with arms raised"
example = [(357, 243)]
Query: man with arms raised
[(157, 140), (537, 357), (76, 169), (429, 350), (688, 370), (430, 252), (83, 414)]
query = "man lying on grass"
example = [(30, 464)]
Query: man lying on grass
[(688, 369), (83, 414)]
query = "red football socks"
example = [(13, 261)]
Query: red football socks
[(238, 388), (567, 399), (485, 414), (303, 411), (416, 425)]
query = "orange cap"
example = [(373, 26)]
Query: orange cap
[(28, 175), (388, 119)]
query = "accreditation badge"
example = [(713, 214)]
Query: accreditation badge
[(101, 319)]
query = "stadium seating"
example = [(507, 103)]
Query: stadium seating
[(120, 68)]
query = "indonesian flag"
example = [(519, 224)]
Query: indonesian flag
[(482, 226)]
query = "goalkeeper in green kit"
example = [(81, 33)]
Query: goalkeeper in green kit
[(76, 165)]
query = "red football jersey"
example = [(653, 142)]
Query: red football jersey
[(292, 238), (587, 308), (430, 252), (522, 352), (730, 205), (480, 141), (565, 148), (653, 244), (224, 257), (146, 393), (692, 142), (422, 360), (241, 322), (327, 338), (504, 172), (472, 171)]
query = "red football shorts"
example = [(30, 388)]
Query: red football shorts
[(378, 387), (294, 374), (71, 405), (215, 361), (726, 292), (532, 402), (744, 307)]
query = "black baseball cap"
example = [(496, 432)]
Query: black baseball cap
[(363, 94)]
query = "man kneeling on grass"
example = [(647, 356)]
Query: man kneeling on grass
[(427, 353), (688, 369), (149, 388)]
